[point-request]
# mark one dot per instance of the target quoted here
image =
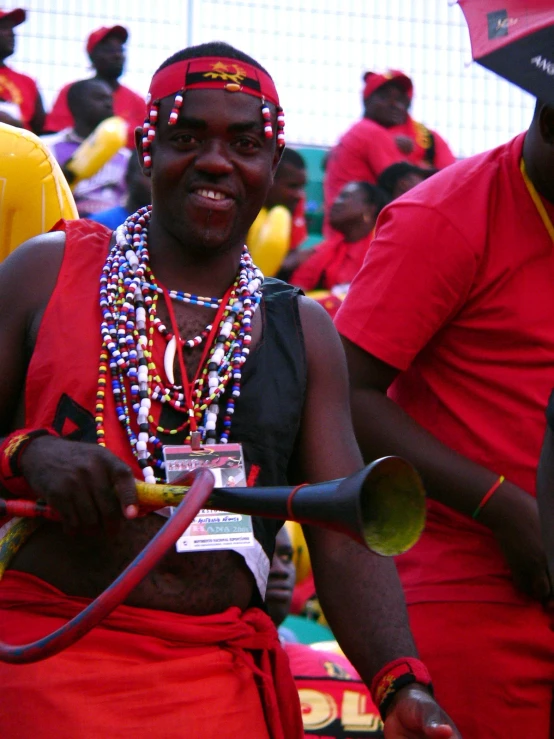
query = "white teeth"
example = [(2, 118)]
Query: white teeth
[(211, 194)]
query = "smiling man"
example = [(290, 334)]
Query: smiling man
[(108, 340)]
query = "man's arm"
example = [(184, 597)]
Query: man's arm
[(359, 591), (77, 479), (545, 496), (27, 278), (382, 428)]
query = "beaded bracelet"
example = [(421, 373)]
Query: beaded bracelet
[(487, 496), (393, 677), (11, 451)]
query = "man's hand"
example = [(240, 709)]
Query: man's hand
[(513, 517), (415, 714), (87, 484)]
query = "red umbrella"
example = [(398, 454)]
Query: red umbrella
[(515, 39)]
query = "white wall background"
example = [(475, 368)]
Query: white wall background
[(316, 50)]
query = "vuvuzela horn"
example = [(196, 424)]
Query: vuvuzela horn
[(381, 506)]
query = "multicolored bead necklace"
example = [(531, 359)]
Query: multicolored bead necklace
[(128, 299)]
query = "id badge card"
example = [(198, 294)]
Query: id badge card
[(212, 530)]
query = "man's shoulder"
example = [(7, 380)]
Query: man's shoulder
[(17, 76), (362, 129), (273, 288)]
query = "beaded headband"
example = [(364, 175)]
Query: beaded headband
[(209, 73)]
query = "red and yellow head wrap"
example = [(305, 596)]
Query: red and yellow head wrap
[(209, 73)]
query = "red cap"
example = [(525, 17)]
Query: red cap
[(101, 33), (16, 16), (373, 81)]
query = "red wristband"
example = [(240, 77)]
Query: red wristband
[(394, 676), (11, 451)]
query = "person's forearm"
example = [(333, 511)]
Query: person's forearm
[(362, 599), (545, 498), (383, 428)]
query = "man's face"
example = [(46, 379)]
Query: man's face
[(388, 105), (7, 39), (211, 170), (108, 58), (282, 577), (97, 104), (288, 187)]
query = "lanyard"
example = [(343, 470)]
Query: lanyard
[(536, 198), (188, 387)]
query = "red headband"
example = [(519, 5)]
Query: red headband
[(212, 73)]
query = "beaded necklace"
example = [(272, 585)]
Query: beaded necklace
[(128, 299)]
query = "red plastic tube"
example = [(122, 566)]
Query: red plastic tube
[(116, 593)]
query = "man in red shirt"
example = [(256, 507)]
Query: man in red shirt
[(386, 134), (20, 101), (449, 334), (105, 48)]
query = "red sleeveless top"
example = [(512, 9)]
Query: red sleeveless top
[(62, 378)]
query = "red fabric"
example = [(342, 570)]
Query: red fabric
[(367, 148), (521, 19), (213, 73), (11, 449), (456, 291), (143, 673), (334, 700), (393, 677), (299, 227), (333, 262), (494, 681), (100, 34), (84, 255), (373, 81), (126, 104), (19, 89)]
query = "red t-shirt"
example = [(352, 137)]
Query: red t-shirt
[(126, 104), (456, 291), (333, 262), (334, 700), (367, 148), (19, 89)]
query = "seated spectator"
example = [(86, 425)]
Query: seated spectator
[(90, 102), (105, 49), (325, 679), (386, 134), (139, 193), (337, 260), (401, 177), (271, 230), (20, 101)]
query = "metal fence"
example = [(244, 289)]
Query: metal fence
[(316, 50)]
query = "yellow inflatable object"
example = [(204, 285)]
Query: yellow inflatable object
[(269, 239), (34, 194), (106, 140)]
